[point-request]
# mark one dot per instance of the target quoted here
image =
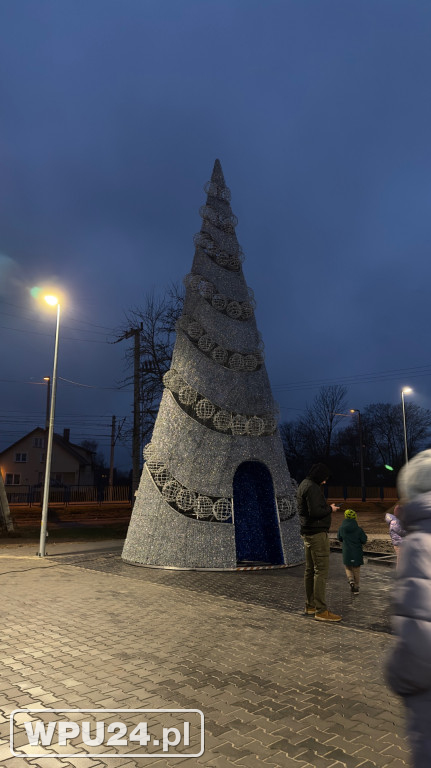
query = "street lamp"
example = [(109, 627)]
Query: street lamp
[(361, 447), (48, 390), (361, 451), (52, 301), (405, 391)]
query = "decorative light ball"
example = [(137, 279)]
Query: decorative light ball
[(246, 310), (185, 499), (206, 343), (170, 490), (173, 381), (206, 290), (233, 309), (283, 504), (210, 245), (255, 426), (210, 188), (222, 259), (168, 376), (194, 282), (204, 241), (154, 465), (222, 421), (199, 239), (187, 395), (222, 509), (222, 222), (219, 302), (205, 409), (239, 424), (194, 330), (250, 362), (148, 452), (234, 262), (270, 423), (286, 507), (205, 211), (236, 362), (219, 354), (203, 506), (162, 476)]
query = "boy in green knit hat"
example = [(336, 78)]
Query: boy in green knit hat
[(352, 538)]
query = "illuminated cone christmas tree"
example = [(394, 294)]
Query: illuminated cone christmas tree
[(215, 490)]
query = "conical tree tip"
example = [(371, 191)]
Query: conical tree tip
[(217, 174)]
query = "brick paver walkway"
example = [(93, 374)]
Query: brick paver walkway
[(82, 629)]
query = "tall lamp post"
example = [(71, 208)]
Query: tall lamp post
[(405, 391), (361, 447), (52, 301), (48, 392), (361, 451)]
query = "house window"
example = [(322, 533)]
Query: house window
[(39, 442), (12, 479), (21, 457), (42, 457)]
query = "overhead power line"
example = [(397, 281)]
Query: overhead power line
[(121, 388), (24, 309), (361, 378), (40, 333)]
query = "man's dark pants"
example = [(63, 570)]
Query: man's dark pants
[(316, 570)]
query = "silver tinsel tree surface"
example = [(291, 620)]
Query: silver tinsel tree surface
[(215, 490)]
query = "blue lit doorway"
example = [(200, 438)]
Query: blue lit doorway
[(257, 532)]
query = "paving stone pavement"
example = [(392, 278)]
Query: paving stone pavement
[(82, 629)]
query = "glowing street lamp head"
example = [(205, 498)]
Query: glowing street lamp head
[(51, 300), (406, 390)]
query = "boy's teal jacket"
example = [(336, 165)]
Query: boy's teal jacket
[(352, 537)]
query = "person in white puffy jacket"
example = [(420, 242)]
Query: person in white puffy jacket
[(408, 666)]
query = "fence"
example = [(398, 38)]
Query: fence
[(70, 494), (372, 493), (88, 494)]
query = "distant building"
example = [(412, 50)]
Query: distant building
[(23, 463)]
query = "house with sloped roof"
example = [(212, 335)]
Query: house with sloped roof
[(23, 463)]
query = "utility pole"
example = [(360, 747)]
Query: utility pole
[(111, 459), (136, 440), (4, 508), (361, 456)]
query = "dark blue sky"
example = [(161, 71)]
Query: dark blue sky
[(112, 113)]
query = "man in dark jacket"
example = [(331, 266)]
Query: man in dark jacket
[(315, 519)]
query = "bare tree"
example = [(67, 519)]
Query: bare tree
[(384, 425), (321, 419), (311, 437), (155, 321)]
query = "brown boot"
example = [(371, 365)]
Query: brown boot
[(327, 616)]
